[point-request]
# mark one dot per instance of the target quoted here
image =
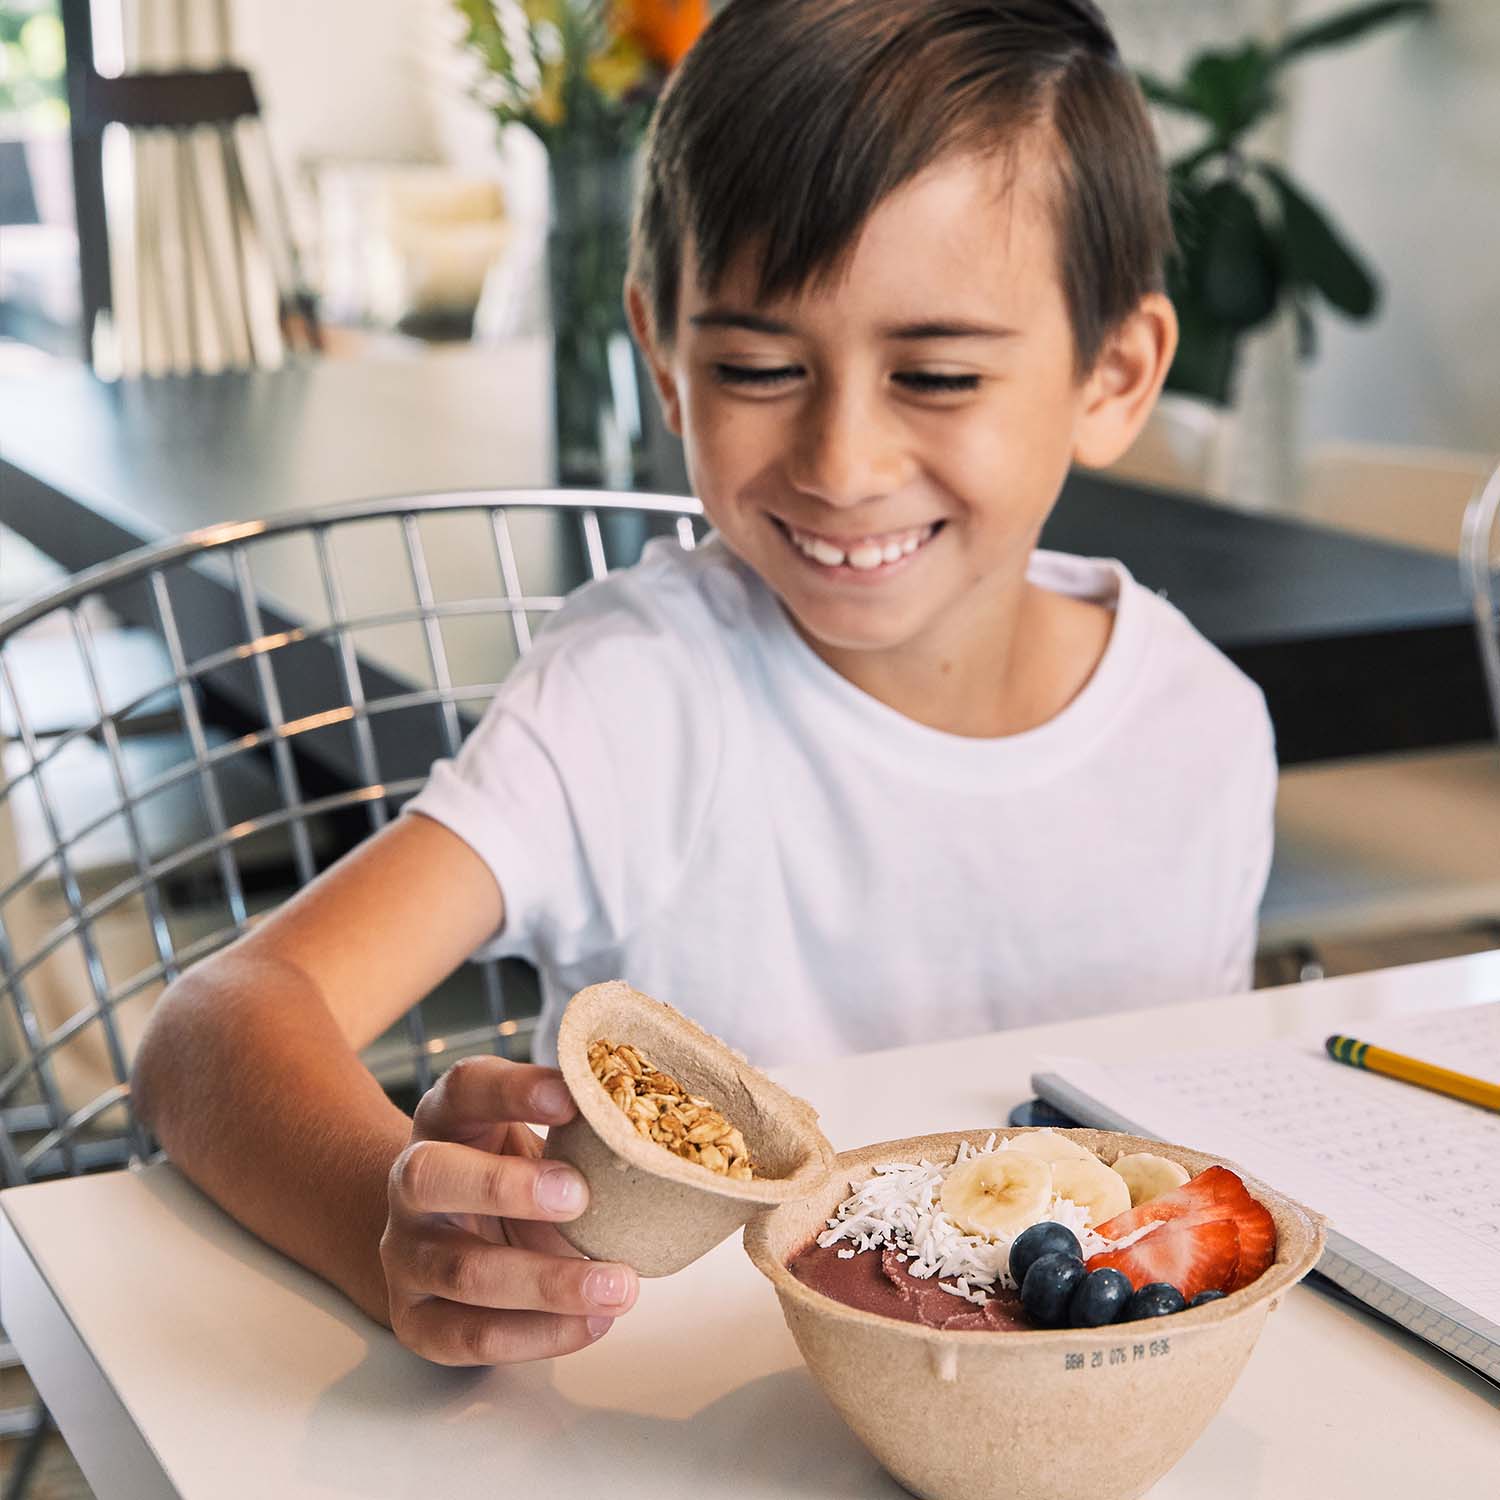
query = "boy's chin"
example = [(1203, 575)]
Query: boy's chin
[(841, 631)]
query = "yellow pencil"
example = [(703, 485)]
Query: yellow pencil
[(1346, 1049)]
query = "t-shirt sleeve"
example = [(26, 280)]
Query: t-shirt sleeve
[(585, 784)]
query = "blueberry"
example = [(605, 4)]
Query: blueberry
[(1099, 1298), (1203, 1297), (1042, 1239), (1048, 1285), (1158, 1300)]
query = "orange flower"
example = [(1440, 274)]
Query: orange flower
[(665, 29)]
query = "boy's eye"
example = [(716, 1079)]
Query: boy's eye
[(761, 375), (924, 382), (929, 383)]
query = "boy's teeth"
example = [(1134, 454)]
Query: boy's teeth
[(864, 555)]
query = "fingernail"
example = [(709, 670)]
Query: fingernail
[(607, 1288), (551, 1097), (598, 1327), (559, 1191)]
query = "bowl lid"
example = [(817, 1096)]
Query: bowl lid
[(781, 1130)]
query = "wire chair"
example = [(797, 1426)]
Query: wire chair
[(1481, 558), (296, 731)]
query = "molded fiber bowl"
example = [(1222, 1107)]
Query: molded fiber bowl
[(647, 1207), (1047, 1415)]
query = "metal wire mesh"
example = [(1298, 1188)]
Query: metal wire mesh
[(192, 733)]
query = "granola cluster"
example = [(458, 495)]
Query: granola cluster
[(663, 1111)]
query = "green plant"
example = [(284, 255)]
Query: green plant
[(32, 62), (1248, 238), (578, 73)]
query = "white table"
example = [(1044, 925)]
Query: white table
[(182, 1357)]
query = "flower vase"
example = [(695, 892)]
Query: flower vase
[(595, 380)]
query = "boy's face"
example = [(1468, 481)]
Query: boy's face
[(883, 450)]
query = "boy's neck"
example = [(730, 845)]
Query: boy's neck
[(1031, 657)]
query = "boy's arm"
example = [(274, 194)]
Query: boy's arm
[(250, 1078)]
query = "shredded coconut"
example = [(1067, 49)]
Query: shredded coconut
[(898, 1208)]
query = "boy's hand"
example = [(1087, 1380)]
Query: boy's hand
[(476, 1272)]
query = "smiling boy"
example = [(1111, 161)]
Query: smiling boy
[(866, 767)]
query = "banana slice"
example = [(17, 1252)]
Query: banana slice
[(1148, 1176), (1047, 1145), (998, 1194), (1098, 1190)]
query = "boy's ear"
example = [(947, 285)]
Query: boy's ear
[(655, 354), (1123, 386)]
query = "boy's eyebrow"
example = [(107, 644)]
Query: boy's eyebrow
[(910, 332), (729, 318), (961, 329)]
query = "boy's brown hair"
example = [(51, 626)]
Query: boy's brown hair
[(791, 120)]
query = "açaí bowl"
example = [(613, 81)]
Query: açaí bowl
[(1071, 1414)]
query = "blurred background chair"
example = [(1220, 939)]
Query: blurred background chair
[(1400, 848), (148, 824), (186, 255), (1481, 551), (1413, 496), (1388, 859)]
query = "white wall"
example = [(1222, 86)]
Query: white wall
[(339, 78), (1399, 137)]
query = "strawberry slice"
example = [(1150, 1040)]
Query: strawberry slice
[(1257, 1243), (1216, 1194), (1198, 1255)]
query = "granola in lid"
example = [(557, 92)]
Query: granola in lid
[(661, 1110), (658, 1204)]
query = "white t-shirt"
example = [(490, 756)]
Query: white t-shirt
[(672, 788)]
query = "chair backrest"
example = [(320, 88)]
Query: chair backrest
[(1412, 496), (186, 254), (311, 668), (1481, 560)]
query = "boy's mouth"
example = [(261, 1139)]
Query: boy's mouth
[(866, 554)]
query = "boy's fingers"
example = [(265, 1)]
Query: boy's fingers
[(443, 1177), (449, 1334), (461, 1268), (486, 1090), (535, 1234)]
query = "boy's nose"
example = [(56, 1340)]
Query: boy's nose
[(844, 454)]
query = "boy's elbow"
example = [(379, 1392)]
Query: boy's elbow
[(150, 1072), (162, 1068)]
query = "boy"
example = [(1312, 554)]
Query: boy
[(864, 769)]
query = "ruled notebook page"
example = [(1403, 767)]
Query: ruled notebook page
[(1466, 1040), (1408, 1174)]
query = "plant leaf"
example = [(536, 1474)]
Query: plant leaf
[(1207, 355), (1307, 329), (1332, 30), (1231, 89), (487, 37), (1157, 91), (1316, 255), (1231, 265)]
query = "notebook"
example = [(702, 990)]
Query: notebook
[(1408, 1179)]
